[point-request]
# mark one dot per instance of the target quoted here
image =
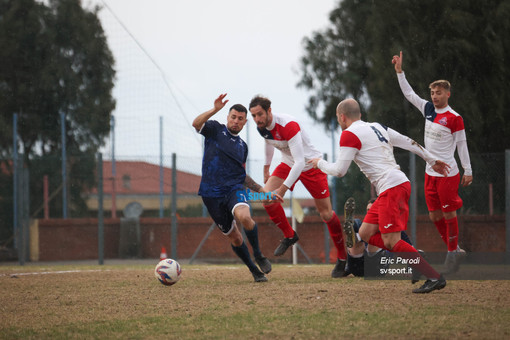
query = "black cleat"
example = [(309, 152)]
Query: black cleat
[(264, 264), (285, 244), (430, 285), (339, 269), (259, 276), (348, 226)]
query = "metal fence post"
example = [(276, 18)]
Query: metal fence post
[(507, 204), (100, 217), (173, 233), (64, 161), (15, 178)]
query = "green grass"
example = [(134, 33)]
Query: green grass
[(223, 302)]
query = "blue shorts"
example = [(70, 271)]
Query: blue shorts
[(221, 210)]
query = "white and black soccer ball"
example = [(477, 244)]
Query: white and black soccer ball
[(168, 272)]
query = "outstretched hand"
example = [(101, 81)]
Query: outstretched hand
[(397, 61), (219, 103), (441, 168)]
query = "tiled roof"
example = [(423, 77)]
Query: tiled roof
[(142, 178)]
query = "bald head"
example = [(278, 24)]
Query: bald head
[(347, 112), (350, 108)]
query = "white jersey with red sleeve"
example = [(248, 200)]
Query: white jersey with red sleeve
[(444, 131), (373, 153), (286, 134), (370, 145)]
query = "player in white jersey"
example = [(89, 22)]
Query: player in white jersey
[(284, 133), (370, 145), (444, 132)]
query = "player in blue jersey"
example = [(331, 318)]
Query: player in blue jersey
[(224, 178)]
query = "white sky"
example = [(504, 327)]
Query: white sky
[(204, 48)]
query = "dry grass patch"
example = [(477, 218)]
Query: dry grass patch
[(222, 301)]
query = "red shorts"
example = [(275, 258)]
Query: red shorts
[(314, 180), (442, 193), (391, 209)]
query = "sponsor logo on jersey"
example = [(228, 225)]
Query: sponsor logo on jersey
[(387, 226), (443, 121)]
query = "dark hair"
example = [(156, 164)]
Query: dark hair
[(264, 102), (238, 108)]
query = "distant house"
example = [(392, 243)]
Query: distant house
[(137, 181)]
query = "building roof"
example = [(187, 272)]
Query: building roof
[(142, 178)]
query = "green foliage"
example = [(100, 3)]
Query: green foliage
[(55, 59), (456, 40)]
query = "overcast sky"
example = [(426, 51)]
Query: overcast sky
[(199, 49)]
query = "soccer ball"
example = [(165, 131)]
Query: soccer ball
[(168, 272)]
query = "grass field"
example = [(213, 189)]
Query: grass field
[(223, 302)]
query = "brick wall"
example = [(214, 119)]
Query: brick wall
[(76, 239)]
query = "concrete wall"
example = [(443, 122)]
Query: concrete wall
[(77, 239)]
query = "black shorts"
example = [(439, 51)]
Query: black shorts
[(221, 210)]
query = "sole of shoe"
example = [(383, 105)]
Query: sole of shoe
[(348, 226)]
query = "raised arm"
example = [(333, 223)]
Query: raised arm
[(397, 61), (200, 120), (407, 90)]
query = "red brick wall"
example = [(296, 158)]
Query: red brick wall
[(76, 239)]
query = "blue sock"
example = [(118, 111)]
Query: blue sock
[(244, 254), (406, 238), (253, 238)]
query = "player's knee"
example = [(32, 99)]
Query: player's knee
[(364, 235), (247, 222), (326, 215), (236, 238), (435, 215)]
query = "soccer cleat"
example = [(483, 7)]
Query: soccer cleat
[(259, 276), (285, 244), (453, 260), (348, 226), (264, 264), (431, 285), (339, 269)]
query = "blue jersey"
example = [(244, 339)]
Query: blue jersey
[(223, 165)]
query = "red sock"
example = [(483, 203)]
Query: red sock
[(335, 231), (376, 240), (407, 251), (443, 229), (277, 215), (453, 233)]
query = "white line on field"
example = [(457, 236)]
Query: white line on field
[(56, 272)]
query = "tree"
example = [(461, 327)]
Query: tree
[(55, 59), (451, 39)]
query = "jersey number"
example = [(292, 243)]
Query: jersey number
[(379, 135)]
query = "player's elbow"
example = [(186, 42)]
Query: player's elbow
[(196, 125)]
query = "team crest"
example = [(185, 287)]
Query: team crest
[(443, 121)]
